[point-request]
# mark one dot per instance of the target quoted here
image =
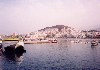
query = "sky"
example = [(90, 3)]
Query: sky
[(23, 16)]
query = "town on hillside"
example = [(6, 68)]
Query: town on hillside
[(58, 31)]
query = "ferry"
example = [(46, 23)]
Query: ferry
[(11, 39)]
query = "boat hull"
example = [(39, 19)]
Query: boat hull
[(11, 49), (94, 43)]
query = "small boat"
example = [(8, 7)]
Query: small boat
[(94, 43), (53, 40)]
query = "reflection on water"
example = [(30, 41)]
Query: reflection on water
[(64, 55)]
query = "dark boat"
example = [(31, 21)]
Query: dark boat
[(15, 48), (94, 43), (12, 49), (14, 54)]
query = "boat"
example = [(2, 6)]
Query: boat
[(53, 41), (94, 43), (18, 57), (15, 52), (14, 48)]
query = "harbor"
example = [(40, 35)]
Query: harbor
[(32, 52), (72, 54), (50, 35), (49, 52)]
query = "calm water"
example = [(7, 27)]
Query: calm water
[(64, 55)]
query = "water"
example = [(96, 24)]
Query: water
[(64, 55)]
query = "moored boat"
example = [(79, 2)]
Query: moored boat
[(53, 40), (94, 43), (11, 39), (13, 48)]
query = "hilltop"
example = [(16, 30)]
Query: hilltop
[(59, 27), (58, 31)]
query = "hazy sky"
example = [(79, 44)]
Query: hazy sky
[(24, 16)]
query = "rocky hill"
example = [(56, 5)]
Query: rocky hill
[(59, 31)]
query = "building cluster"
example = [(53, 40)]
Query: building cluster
[(59, 31), (90, 34)]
